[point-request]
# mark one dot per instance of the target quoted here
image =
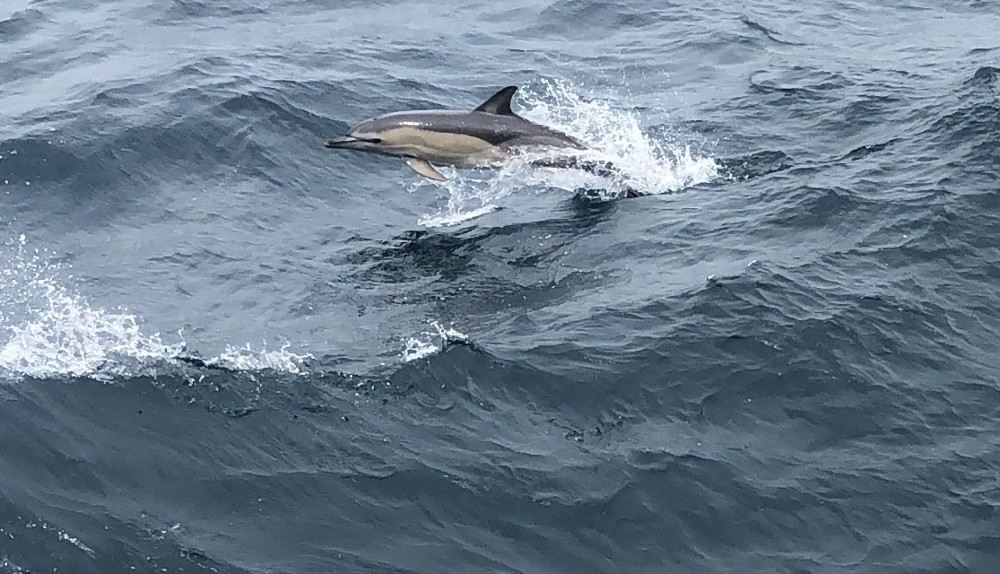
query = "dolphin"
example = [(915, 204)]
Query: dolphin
[(487, 136)]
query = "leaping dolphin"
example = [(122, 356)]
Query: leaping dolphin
[(485, 137)]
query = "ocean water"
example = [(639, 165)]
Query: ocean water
[(225, 348)]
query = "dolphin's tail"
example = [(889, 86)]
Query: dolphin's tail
[(596, 167)]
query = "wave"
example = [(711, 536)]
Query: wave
[(49, 331), (20, 24), (766, 32)]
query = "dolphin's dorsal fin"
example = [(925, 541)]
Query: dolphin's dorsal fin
[(499, 103)]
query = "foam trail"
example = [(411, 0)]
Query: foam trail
[(47, 331), (650, 165)]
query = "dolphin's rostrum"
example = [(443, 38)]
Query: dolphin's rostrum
[(484, 137)]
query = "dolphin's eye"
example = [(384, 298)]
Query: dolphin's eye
[(375, 140)]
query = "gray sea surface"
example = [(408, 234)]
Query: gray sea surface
[(225, 348)]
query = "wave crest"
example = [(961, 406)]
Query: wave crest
[(48, 331)]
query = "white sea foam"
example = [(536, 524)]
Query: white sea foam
[(456, 210), (47, 330), (430, 343), (65, 537), (418, 348), (651, 165), (247, 358)]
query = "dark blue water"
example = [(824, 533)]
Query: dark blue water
[(225, 348)]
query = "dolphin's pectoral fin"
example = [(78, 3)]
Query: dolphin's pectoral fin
[(499, 103), (424, 168)]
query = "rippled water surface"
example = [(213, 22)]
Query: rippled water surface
[(225, 348)]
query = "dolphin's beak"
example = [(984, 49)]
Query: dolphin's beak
[(351, 142), (342, 142)]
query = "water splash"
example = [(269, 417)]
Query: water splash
[(47, 331), (650, 165), (430, 343)]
